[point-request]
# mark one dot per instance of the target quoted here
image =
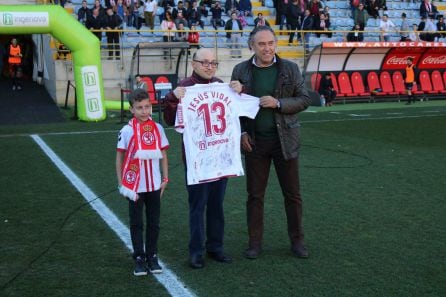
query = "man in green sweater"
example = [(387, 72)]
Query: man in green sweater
[(272, 136)]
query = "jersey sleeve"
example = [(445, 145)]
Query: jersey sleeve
[(124, 138), (248, 106), (164, 145)]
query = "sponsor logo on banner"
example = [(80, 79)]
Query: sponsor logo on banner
[(397, 61), (433, 61), (92, 94), (383, 44), (24, 19)]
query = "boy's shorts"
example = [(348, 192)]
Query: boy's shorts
[(409, 86)]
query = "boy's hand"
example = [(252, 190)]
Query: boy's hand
[(164, 183)]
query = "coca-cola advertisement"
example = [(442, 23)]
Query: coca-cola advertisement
[(432, 60), (398, 60)]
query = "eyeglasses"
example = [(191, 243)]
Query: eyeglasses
[(207, 63)]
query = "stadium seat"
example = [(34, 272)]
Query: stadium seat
[(386, 83), (315, 81), (335, 83), (150, 89), (358, 84), (437, 82), (398, 83), (425, 83), (344, 85), (374, 85), (444, 77)]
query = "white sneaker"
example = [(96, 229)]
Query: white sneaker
[(19, 88), (13, 88)]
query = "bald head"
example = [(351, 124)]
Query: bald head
[(204, 53)]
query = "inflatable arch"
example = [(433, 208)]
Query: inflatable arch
[(85, 48)]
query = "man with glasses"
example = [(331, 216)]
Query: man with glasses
[(207, 196), (273, 136)]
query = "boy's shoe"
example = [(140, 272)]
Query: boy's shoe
[(154, 267), (140, 267), (13, 88), (19, 88)]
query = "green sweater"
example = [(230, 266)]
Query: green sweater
[(264, 84)]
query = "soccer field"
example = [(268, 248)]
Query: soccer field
[(373, 185)]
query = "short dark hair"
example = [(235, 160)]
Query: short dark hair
[(138, 95), (410, 59), (257, 30)]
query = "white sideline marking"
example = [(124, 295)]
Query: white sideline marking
[(359, 115), (168, 279)]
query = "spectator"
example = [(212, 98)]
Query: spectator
[(203, 10), (361, 16), (233, 34), (194, 15), (441, 27), (292, 18), (120, 10), (354, 5), (178, 9), (95, 22), (372, 7), (385, 27), (413, 35), (230, 6), (193, 37), (357, 33), (167, 5), (150, 7), (98, 5), (83, 13), (429, 31), (326, 89), (315, 7), (323, 25), (282, 14), (244, 7), (307, 25), (428, 10), (168, 26), (180, 20), (404, 28), (261, 21), (181, 34), (112, 22), (216, 12)]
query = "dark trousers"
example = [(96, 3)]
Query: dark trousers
[(113, 43), (258, 164), (329, 95), (293, 27), (151, 200), (206, 197), (14, 72)]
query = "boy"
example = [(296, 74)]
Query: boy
[(142, 146), (15, 61), (409, 80)]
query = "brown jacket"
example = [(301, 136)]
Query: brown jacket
[(293, 98)]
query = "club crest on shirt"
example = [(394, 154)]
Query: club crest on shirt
[(147, 128), (148, 138)]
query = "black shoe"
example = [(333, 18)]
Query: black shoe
[(407, 103), (154, 267), (252, 252), (140, 267), (196, 262), (300, 251), (220, 257)]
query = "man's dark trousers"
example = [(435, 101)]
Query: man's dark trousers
[(206, 197), (258, 164)]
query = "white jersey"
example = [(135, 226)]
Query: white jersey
[(150, 173), (209, 115)]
